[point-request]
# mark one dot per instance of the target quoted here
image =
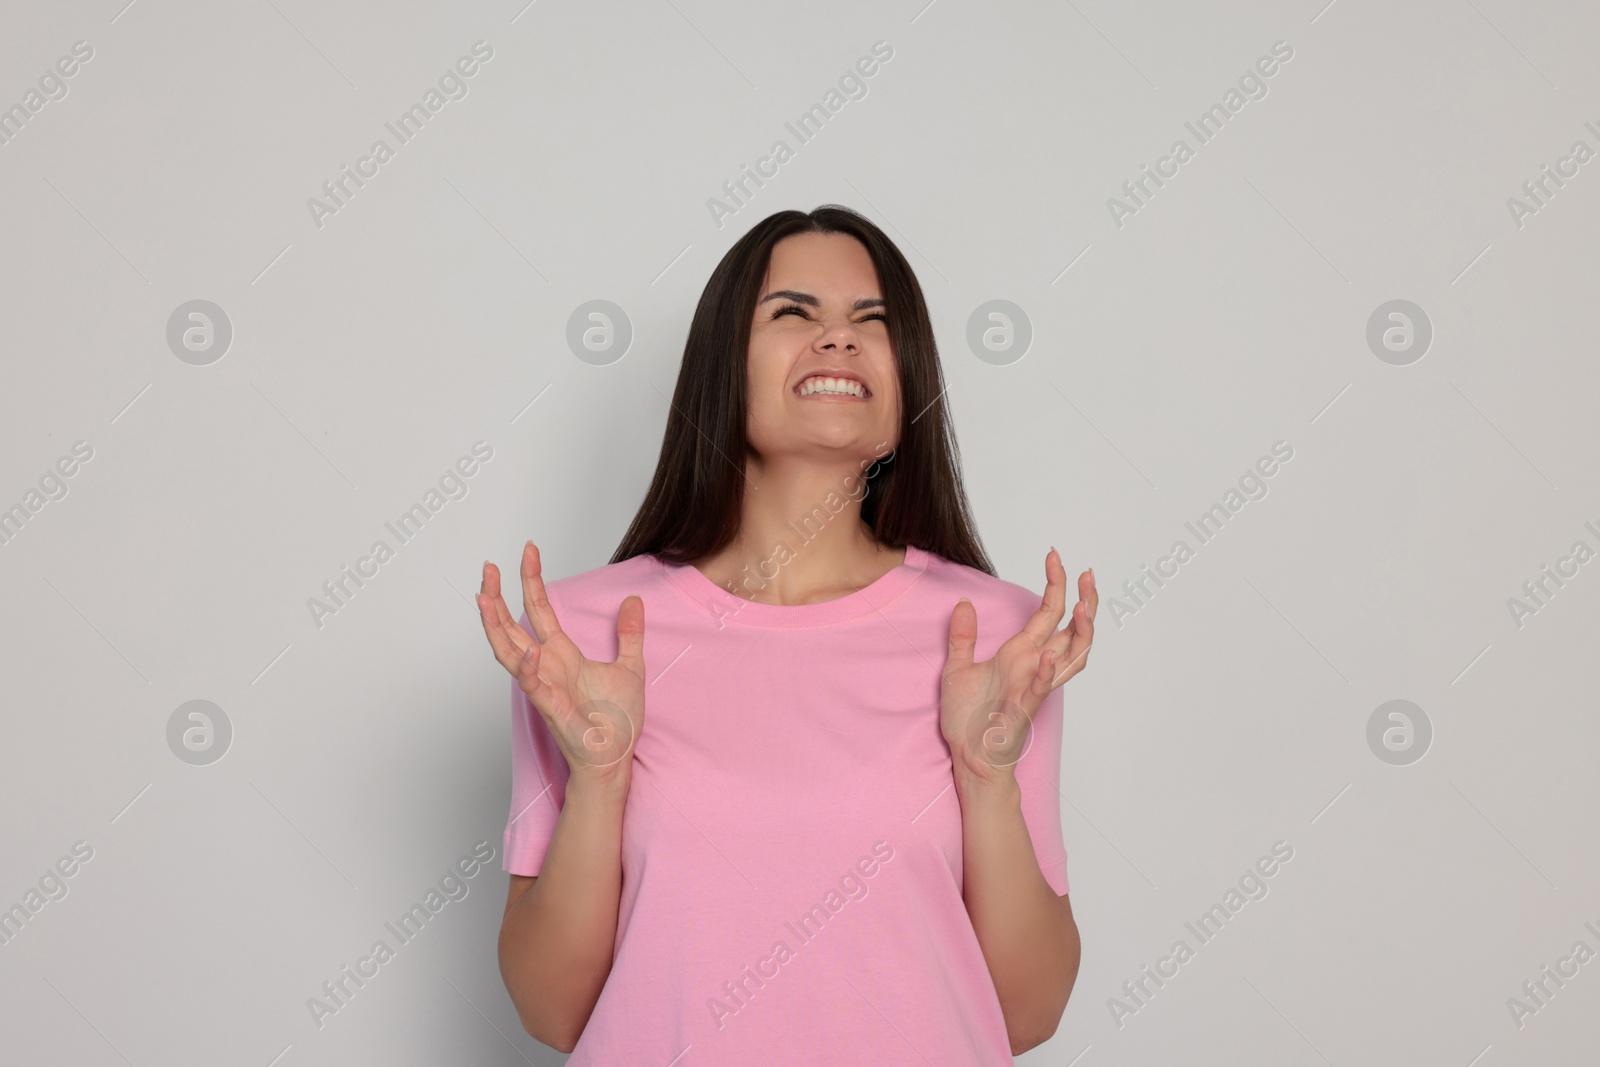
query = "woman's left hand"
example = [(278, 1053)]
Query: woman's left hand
[(986, 709)]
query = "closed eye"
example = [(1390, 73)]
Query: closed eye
[(802, 313)]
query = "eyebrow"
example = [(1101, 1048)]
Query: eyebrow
[(807, 298)]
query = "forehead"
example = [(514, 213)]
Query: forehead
[(822, 263)]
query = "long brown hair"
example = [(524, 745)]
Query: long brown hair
[(913, 496)]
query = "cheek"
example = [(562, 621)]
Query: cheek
[(763, 362), (764, 400), (891, 394), (765, 379)]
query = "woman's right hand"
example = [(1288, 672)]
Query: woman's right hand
[(594, 709)]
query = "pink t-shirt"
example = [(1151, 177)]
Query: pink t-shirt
[(791, 844)]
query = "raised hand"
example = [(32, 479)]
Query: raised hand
[(985, 709), (594, 709)]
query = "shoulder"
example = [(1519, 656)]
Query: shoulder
[(593, 595), (947, 581)]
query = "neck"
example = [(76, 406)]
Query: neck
[(801, 538)]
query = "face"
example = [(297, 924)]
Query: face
[(820, 314)]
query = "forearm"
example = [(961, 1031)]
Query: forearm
[(1026, 931), (556, 940)]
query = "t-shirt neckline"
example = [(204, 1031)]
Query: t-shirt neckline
[(868, 600)]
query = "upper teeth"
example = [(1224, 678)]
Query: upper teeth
[(832, 385)]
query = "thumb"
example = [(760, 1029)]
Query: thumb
[(630, 632), (963, 635)]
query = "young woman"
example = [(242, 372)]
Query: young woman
[(808, 813)]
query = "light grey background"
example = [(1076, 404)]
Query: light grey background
[(1168, 353)]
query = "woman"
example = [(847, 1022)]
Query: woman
[(814, 818)]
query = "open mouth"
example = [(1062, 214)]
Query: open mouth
[(827, 385)]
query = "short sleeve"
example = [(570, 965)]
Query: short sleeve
[(538, 782), (1039, 779)]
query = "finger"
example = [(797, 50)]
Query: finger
[(1043, 622), (963, 635), (491, 630), (1088, 599), (1080, 636), (518, 633), (515, 631), (1043, 678), (509, 645), (535, 599), (529, 680), (630, 633)]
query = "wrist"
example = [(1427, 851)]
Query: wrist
[(601, 786), (992, 787)]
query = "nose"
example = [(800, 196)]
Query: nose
[(838, 333)]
